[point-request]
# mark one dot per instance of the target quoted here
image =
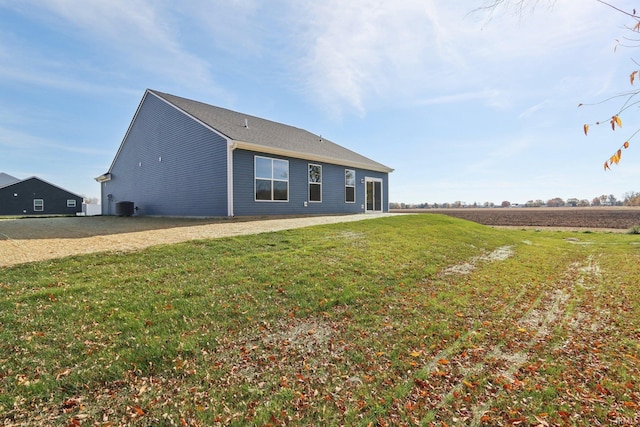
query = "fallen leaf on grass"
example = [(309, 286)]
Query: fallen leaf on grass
[(137, 410), (63, 373), (70, 405), (421, 383), (541, 422)]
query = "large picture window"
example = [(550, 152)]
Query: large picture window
[(271, 179), (349, 186), (315, 183)]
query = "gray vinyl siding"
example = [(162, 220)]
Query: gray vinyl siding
[(17, 199), (333, 188), (169, 165)]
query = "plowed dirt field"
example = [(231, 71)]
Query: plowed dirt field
[(607, 218)]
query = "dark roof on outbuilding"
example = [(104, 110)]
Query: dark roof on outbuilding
[(35, 178), (6, 179)]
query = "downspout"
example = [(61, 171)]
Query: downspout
[(231, 146)]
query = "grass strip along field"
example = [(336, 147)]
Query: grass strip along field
[(405, 320)]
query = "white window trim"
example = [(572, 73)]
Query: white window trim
[(71, 203), (349, 186), (38, 208), (255, 178), (313, 183)]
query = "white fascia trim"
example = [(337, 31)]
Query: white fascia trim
[(126, 135), (194, 118), (311, 157)]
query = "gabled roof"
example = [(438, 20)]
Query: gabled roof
[(253, 133), (6, 179), (21, 181)]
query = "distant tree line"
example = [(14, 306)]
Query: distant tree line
[(631, 198)]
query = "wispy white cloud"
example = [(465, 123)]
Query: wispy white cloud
[(14, 139), (349, 53), (356, 54), (533, 109), (119, 36), (489, 97), (39, 74), (346, 57)]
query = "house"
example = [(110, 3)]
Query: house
[(181, 157), (34, 196)]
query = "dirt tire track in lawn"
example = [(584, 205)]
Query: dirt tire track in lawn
[(593, 325), (456, 354), (537, 324), (499, 254), (505, 364), (535, 328)]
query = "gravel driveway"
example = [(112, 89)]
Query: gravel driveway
[(36, 239)]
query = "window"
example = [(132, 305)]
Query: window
[(271, 179), (315, 183), (38, 205), (349, 186), (71, 203)]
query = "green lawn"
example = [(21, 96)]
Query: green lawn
[(420, 319)]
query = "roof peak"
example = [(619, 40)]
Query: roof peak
[(268, 135)]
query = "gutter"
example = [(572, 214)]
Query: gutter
[(231, 146)]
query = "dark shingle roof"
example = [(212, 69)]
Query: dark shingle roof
[(253, 132)]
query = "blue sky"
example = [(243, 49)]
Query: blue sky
[(465, 107)]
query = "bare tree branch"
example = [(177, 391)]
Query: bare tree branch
[(633, 14), (630, 98)]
